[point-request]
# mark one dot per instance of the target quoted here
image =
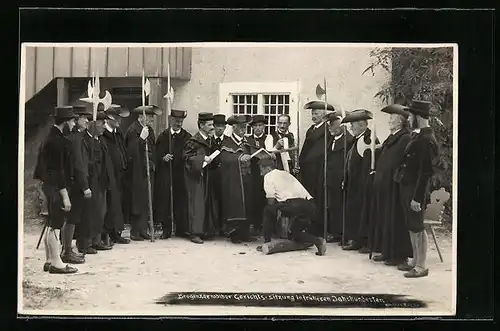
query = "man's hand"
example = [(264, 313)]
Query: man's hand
[(415, 206), (207, 159), (168, 157), (246, 157), (279, 144), (144, 133), (87, 193), (66, 204)]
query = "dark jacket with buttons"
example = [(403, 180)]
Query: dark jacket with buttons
[(416, 168)]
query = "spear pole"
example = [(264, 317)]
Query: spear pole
[(325, 191), (150, 205), (169, 106)]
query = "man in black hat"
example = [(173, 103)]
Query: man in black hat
[(56, 172), (235, 161), (137, 136), (219, 136), (336, 150), (96, 176), (312, 159), (358, 181), (284, 193), (389, 235), (413, 176), (259, 139), (169, 149), (113, 140), (199, 173)]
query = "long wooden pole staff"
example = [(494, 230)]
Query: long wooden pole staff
[(148, 173), (344, 189), (325, 191), (372, 177), (169, 97)]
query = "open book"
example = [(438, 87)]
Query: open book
[(259, 153)]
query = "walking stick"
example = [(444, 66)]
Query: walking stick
[(372, 175), (43, 231), (325, 190), (170, 97), (145, 91), (344, 191)]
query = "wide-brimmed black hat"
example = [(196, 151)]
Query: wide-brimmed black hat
[(396, 109), (117, 111), (219, 119), (64, 112), (239, 119), (205, 116), (331, 117), (420, 108), (178, 113), (357, 115), (318, 104), (258, 119), (149, 110)]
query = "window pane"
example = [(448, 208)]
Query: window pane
[(287, 109), (266, 99), (273, 99), (235, 109), (280, 99), (272, 120), (273, 110), (241, 109), (254, 109), (235, 99), (280, 109), (287, 99)]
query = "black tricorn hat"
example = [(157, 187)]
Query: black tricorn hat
[(258, 119), (318, 105), (239, 119), (82, 110), (396, 109), (205, 116), (178, 113), (149, 110), (331, 117), (64, 112), (219, 119), (357, 115), (420, 108)]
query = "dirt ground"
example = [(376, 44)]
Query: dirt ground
[(128, 279)]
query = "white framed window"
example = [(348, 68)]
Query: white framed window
[(267, 98)]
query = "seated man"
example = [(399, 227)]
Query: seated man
[(284, 193)]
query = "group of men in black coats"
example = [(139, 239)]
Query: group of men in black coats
[(384, 198), (210, 184)]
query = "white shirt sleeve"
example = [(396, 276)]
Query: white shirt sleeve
[(269, 187), (268, 143)]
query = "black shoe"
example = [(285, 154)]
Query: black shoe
[(102, 247), (354, 246), (65, 270), (364, 250), (121, 240), (71, 259), (333, 239), (379, 258), (413, 273), (196, 240), (136, 237), (46, 266), (393, 263), (145, 235)]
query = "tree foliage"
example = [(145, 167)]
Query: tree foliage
[(424, 74)]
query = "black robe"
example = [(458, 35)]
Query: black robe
[(136, 198), (94, 209), (217, 184), (202, 207), (311, 162), (358, 183), (115, 165), (259, 200), (390, 235), (161, 205), (237, 188), (334, 177)]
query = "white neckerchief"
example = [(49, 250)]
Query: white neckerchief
[(175, 132)]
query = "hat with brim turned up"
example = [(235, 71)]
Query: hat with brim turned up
[(318, 104), (178, 113), (396, 109), (357, 115), (148, 110), (117, 111), (331, 117), (239, 119)]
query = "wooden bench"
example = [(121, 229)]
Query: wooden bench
[(433, 214)]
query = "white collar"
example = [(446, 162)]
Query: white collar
[(318, 125), (204, 136), (361, 134), (218, 137), (281, 133), (175, 132), (110, 129), (338, 136), (395, 132), (416, 130), (262, 135), (237, 137)]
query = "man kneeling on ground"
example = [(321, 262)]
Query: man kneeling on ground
[(284, 193)]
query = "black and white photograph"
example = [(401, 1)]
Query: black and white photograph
[(218, 179)]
